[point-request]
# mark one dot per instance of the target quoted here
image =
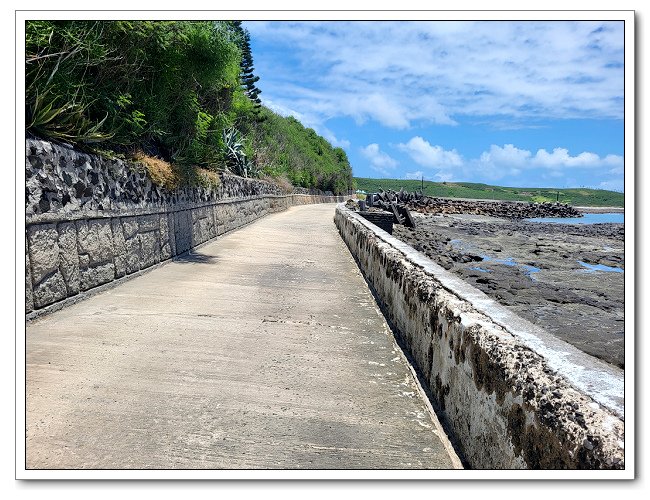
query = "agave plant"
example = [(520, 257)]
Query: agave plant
[(236, 160), (67, 122)]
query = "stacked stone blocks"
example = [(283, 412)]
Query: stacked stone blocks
[(90, 220)]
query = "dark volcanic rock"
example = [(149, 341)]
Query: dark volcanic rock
[(535, 270), (506, 209)]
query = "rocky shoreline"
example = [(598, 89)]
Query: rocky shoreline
[(568, 279)]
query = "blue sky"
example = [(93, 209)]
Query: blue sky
[(516, 103)]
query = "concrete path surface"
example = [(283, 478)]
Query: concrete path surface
[(263, 349)]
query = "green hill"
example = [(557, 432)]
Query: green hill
[(577, 197)]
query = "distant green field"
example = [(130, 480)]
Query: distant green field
[(578, 197)]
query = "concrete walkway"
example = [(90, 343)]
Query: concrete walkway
[(264, 349)]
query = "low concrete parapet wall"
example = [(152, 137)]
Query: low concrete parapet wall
[(91, 221), (510, 395)]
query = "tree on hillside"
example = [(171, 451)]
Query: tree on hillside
[(246, 76)]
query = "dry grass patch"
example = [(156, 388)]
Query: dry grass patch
[(282, 182), (161, 172), (209, 177)]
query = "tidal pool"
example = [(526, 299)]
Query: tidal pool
[(590, 268), (509, 261), (609, 217)]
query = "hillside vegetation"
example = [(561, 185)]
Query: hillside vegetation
[(576, 197), (180, 91), (283, 146)]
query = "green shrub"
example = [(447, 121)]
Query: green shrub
[(284, 147), (164, 86), (168, 89)]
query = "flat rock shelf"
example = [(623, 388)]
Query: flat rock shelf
[(567, 279)]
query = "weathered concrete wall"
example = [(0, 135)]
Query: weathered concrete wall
[(511, 395), (91, 220)]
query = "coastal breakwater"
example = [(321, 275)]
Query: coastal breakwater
[(92, 221), (416, 201), (505, 209), (510, 395)]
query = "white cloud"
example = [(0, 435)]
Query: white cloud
[(616, 161), (379, 161), (511, 160), (560, 158), (430, 156), (401, 72), (377, 107), (507, 155), (512, 163)]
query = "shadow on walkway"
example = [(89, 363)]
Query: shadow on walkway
[(196, 257)]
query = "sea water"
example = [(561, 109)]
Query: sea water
[(609, 217)]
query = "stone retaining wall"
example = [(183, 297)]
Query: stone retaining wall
[(63, 183), (510, 395), (91, 220)]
